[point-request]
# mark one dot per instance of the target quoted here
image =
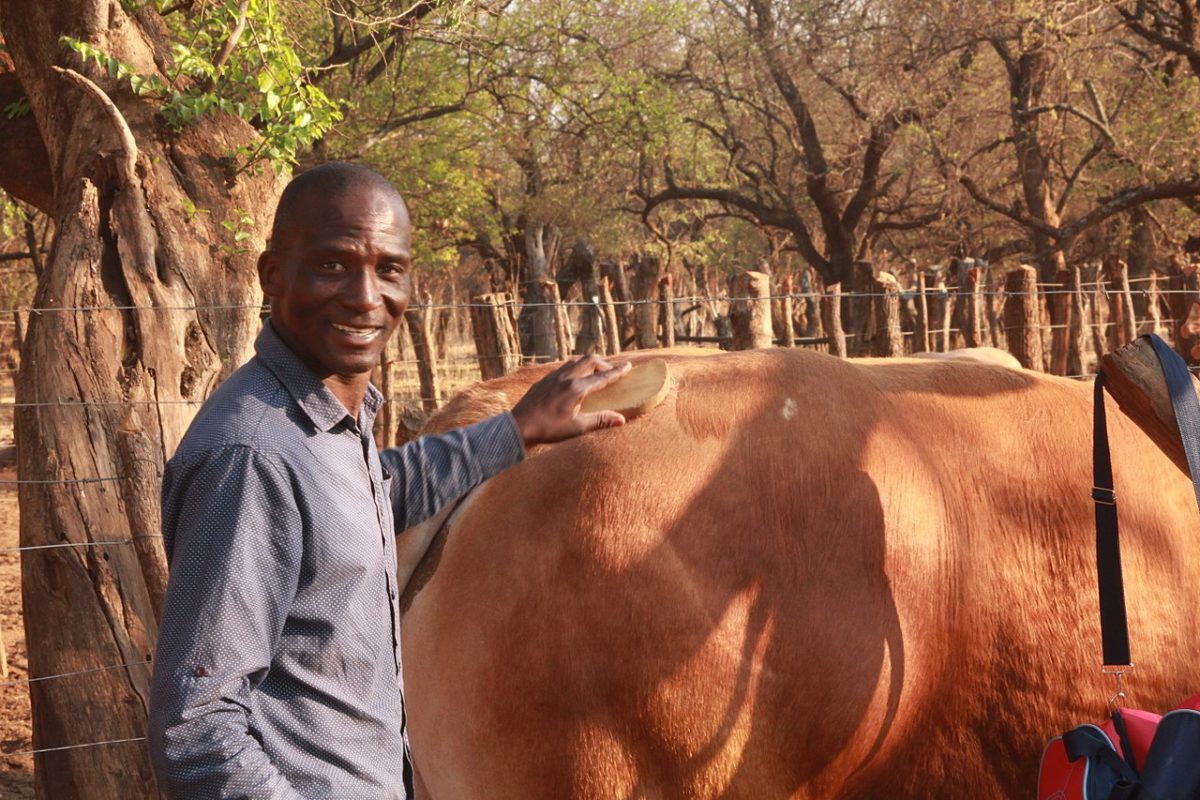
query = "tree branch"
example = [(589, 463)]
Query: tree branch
[(235, 33), (1020, 219)]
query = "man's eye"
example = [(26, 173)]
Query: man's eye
[(332, 266), (393, 268)]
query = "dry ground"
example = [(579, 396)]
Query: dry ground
[(16, 772)]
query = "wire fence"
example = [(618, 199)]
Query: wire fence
[(8, 320)]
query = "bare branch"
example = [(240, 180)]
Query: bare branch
[(235, 33), (129, 149)]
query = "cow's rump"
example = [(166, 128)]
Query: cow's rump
[(797, 577)]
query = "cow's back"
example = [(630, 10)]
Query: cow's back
[(798, 576)]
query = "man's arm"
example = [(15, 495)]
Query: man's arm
[(234, 543), (435, 470)]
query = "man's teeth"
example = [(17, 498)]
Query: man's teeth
[(362, 333)]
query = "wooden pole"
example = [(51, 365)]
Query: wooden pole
[(645, 287), (993, 304), (750, 310), (418, 320), (386, 428), (562, 325), (666, 312), (1060, 303), (612, 323), (494, 329), (941, 313), (920, 343), (1153, 303), (787, 335), (887, 338), (1076, 322), (1120, 298), (1185, 313), (973, 333), (1023, 317), (831, 318)]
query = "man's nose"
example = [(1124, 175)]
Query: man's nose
[(362, 290)]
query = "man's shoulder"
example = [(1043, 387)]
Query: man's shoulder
[(251, 408)]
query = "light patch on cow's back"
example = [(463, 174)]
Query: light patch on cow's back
[(789, 409), (706, 706), (603, 763)]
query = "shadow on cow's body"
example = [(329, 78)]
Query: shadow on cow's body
[(798, 577)]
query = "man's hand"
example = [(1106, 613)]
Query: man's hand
[(549, 411)]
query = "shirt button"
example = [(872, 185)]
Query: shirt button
[(200, 672)]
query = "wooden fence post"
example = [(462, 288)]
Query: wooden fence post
[(887, 337), (750, 310), (418, 320), (993, 308), (920, 342), (496, 343), (831, 318), (645, 316), (1120, 299), (1153, 303), (666, 312), (1076, 323), (612, 324), (563, 340), (1185, 312), (941, 314), (386, 420), (1023, 317), (787, 336)]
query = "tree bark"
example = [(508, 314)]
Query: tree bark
[(144, 310), (1023, 317), (538, 304), (750, 310)]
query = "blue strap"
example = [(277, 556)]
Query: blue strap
[(1183, 400)]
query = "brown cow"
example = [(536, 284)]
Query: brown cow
[(797, 577)]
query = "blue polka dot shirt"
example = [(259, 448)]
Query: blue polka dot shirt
[(277, 674)]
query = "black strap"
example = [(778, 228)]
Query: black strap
[(1114, 629)]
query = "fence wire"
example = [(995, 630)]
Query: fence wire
[(1096, 289)]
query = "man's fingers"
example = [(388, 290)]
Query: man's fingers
[(586, 365), (598, 420), (597, 380)]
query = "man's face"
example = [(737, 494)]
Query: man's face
[(339, 279)]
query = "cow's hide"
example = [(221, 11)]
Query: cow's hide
[(797, 577)]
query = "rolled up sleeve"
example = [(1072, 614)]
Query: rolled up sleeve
[(234, 541)]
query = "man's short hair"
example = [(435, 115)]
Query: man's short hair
[(326, 182)]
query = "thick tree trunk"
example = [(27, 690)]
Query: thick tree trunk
[(117, 362)]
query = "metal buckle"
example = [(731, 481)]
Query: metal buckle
[(1118, 672), (1104, 496)]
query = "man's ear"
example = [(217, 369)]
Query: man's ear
[(268, 274)]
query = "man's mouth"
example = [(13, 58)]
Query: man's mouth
[(355, 331)]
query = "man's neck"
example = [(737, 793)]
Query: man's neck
[(350, 391)]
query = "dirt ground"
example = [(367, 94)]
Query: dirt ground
[(16, 771)]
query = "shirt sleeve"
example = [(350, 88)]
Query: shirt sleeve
[(432, 471), (234, 543)]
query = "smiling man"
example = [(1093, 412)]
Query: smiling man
[(278, 672)]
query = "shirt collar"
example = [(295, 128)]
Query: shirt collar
[(313, 397)]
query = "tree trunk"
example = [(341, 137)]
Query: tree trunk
[(109, 384), (538, 304)]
